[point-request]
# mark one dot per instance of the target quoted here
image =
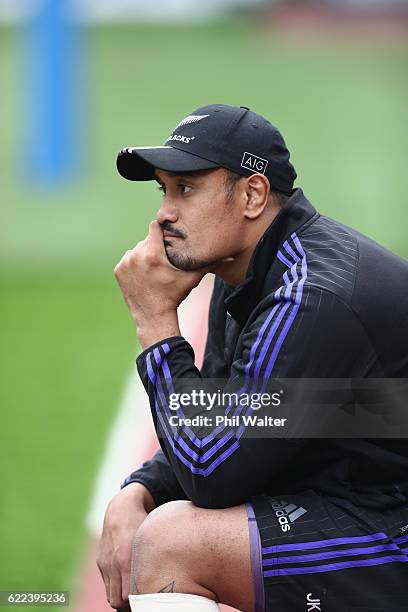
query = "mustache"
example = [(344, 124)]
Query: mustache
[(168, 227)]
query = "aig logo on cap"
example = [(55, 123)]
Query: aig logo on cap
[(253, 162)]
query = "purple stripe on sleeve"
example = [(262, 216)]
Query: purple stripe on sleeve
[(163, 421), (167, 376), (200, 443), (221, 458), (177, 438), (181, 442), (150, 371), (184, 460)]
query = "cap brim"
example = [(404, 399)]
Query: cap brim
[(139, 163)]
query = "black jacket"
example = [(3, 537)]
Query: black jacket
[(319, 300)]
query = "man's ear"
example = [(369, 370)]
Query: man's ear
[(257, 192)]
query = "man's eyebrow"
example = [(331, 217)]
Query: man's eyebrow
[(175, 175)]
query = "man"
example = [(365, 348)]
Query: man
[(296, 295)]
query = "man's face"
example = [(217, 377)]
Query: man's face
[(201, 226)]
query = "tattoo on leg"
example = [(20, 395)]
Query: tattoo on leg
[(166, 589), (169, 588)]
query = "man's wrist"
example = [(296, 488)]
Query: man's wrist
[(141, 494), (153, 328)]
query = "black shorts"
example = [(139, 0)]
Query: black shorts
[(312, 553)]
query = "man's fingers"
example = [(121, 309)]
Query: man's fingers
[(155, 231), (115, 592), (156, 235), (125, 592), (106, 583), (125, 585), (105, 578)]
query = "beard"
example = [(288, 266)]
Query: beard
[(186, 262)]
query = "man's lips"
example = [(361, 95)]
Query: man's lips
[(168, 235)]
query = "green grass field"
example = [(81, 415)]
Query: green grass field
[(67, 340)]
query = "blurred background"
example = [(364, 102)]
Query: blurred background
[(80, 79)]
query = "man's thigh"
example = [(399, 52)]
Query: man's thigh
[(182, 544), (327, 555)]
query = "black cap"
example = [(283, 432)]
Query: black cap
[(216, 136)]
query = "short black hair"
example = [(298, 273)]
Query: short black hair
[(232, 178)]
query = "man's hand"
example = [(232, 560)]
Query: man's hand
[(153, 288), (124, 515)]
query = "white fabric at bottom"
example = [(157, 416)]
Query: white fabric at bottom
[(171, 602)]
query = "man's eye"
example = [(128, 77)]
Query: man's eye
[(185, 189), (162, 188)]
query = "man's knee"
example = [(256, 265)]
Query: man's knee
[(186, 549), (165, 551), (162, 532)]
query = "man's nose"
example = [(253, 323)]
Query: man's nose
[(167, 211)]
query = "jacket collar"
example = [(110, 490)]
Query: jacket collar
[(241, 300)]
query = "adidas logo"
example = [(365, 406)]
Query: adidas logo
[(287, 513)]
